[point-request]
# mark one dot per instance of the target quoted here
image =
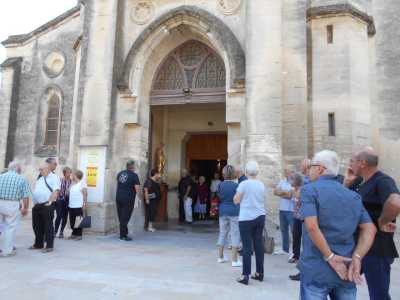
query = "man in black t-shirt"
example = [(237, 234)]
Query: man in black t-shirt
[(381, 198), (185, 194), (127, 189)]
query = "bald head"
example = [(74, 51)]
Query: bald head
[(305, 166), (369, 155)]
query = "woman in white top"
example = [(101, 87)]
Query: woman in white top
[(214, 185), (77, 202), (250, 194)]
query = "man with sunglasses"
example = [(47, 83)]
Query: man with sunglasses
[(381, 199)]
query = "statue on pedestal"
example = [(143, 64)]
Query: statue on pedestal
[(160, 160)]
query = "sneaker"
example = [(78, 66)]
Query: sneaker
[(295, 277), (237, 263), (222, 260), (125, 239), (47, 250), (151, 229), (279, 252), (12, 253), (292, 260)]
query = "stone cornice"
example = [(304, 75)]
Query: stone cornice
[(342, 9), (21, 38), (10, 62)]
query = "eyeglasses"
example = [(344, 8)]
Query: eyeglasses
[(316, 165)]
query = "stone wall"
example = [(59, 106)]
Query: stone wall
[(48, 62), (386, 101)]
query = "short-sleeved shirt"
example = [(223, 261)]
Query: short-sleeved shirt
[(374, 193), (285, 204), (184, 183), (214, 185), (14, 187), (339, 212), (44, 187), (253, 193), (75, 195), (153, 189), (126, 182), (226, 192)]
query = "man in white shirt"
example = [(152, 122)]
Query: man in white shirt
[(284, 190), (44, 196)]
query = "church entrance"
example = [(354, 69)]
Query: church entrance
[(188, 119)]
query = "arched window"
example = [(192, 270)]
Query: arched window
[(52, 121), (191, 73)]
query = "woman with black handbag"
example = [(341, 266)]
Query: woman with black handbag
[(77, 203)]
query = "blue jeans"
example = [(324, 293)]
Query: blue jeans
[(286, 222), (251, 234), (310, 291), (377, 273)]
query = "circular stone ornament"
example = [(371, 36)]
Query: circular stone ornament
[(229, 7), (54, 64), (142, 11)]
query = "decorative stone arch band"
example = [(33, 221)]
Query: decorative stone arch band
[(210, 23)]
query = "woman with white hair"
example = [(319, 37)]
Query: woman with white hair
[(250, 195)]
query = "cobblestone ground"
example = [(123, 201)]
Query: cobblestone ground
[(178, 263)]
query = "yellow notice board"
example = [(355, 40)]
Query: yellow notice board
[(91, 176)]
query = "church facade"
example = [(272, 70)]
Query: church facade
[(201, 81)]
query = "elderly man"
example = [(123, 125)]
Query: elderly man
[(381, 199), (44, 196), (330, 263), (14, 202), (284, 190), (127, 189)]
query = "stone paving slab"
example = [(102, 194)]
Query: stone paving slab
[(179, 263)]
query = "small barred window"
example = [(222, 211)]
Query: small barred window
[(52, 121)]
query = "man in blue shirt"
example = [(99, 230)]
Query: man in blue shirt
[(330, 263)]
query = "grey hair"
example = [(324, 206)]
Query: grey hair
[(50, 160), (252, 168), (371, 159), (14, 166), (329, 159), (297, 180), (229, 172)]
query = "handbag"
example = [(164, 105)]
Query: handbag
[(269, 242), (86, 221)]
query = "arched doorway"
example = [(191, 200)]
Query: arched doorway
[(188, 98)]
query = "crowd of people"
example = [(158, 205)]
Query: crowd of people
[(341, 226)]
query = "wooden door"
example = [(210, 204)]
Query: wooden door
[(207, 147)]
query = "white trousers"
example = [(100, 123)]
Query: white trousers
[(9, 217), (188, 209)]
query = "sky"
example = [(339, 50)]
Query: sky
[(23, 16)]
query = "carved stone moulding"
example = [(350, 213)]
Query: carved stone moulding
[(54, 64), (142, 11), (229, 7)]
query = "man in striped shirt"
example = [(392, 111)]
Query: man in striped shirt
[(14, 202)]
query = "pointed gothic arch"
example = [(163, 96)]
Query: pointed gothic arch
[(193, 73)]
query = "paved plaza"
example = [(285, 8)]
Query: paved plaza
[(178, 263)]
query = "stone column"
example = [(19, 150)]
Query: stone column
[(294, 114), (264, 86), (97, 79), (96, 93)]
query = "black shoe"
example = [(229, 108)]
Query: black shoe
[(243, 280), (125, 238), (295, 277), (259, 277)]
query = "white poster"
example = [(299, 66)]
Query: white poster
[(92, 162)]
